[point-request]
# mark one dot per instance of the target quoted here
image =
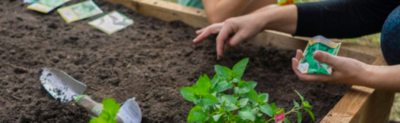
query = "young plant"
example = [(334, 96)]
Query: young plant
[(242, 106), (108, 114)]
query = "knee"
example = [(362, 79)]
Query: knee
[(390, 38)]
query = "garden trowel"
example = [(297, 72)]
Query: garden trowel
[(64, 88), (60, 85)]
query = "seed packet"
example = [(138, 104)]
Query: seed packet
[(308, 65), (280, 116), (79, 11), (45, 6), (29, 1), (112, 22)]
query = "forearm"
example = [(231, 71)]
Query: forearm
[(220, 10), (279, 18), (382, 77)]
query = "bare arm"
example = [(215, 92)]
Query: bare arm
[(282, 18), (220, 10), (383, 77)]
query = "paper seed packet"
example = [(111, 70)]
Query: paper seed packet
[(45, 6), (112, 22), (79, 11), (308, 65)]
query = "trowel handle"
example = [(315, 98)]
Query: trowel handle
[(94, 108)]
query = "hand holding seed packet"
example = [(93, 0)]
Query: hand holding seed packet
[(308, 65)]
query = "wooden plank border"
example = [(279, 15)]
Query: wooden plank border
[(358, 105)]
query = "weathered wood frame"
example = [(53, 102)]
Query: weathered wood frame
[(359, 105)]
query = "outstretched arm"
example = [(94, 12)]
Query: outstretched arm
[(283, 18), (333, 19)]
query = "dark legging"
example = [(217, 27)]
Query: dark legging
[(390, 40), (353, 18)]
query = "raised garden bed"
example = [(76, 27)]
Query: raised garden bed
[(151, 61)]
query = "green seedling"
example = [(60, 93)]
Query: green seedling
[(245, 105), (108, 114)]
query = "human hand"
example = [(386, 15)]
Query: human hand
[(242, 28), (344, 70)]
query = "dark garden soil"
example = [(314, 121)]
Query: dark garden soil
[(151, 61)]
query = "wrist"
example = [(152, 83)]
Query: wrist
[(368, 76)]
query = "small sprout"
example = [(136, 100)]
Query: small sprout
[(108, 114), (243, 106)]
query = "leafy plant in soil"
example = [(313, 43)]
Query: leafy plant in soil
[(243, 105), (108, 114)]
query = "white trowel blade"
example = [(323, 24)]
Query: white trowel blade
[(60, 85)]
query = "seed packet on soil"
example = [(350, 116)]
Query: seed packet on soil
[(79, 11), (308, 65), (29, 1), (112, 22), (45, 6)]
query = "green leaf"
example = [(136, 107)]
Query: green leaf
[(306, 104), (230, 106), (203, 85), (196, 114), (111, 106), (239, 68), (242, 88), (223, 72), (263, 97), (206, 78), (214, 81), (296, 104), (273, 107), (266, 109), (301, 97), (217, 116), (222, 86), (299, 117), (209, 100), (311, 113), (287, 120), (222, 108), (197, 101), (260, 119), (247, 114), (252, 84), (108, 114), (243, 102), (252, 95), (228, 98), (188, 93)]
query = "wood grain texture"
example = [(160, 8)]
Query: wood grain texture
[(358, 105)]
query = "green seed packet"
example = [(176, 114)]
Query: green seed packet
[(30, 1), (45, 6), (308, 65), (112, 22), (79, 11)]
